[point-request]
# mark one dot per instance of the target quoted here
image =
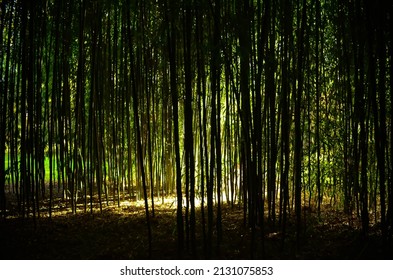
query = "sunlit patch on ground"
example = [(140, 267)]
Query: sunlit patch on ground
[(121, 233)]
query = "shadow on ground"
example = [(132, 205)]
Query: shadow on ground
[(121, 233)]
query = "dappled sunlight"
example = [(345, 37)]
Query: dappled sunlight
[(208, 129)]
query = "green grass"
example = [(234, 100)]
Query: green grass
[(46, 167)]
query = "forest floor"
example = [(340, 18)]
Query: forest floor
[(121, 233)]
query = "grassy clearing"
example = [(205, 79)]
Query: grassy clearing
[(16, 167)]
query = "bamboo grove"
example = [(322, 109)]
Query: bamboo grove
[(270, 105)]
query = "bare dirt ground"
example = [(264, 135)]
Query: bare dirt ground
[(121, 233)]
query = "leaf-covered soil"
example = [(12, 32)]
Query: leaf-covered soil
[(121, 233)]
